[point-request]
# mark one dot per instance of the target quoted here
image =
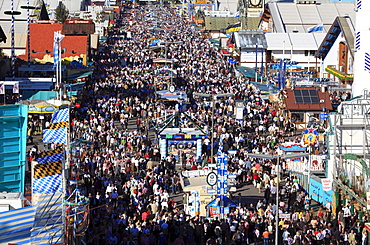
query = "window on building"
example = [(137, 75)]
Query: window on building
[(297, 117), (309, 53)]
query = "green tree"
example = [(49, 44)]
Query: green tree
[(61, 13)]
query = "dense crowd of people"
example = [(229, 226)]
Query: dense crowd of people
[(131, 187)]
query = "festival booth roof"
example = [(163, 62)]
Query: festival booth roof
[(39, 95), (249, 72), (79, 75), (184, 131), (307, 99), (173, 96), (227, 203), (292, 148), (44, 106), (162, 60)]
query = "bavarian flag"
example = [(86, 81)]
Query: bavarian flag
[(234, 28), (47, 173)]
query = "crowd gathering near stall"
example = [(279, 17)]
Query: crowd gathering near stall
[(131, 187)]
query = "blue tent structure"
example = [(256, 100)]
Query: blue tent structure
[(227, 203), (16, 225)]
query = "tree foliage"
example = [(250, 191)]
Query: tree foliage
[(61, 13)]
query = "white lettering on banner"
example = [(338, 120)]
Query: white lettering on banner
[(217, 13), (284, 216), (327, 184)]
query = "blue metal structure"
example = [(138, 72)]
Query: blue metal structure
[(13, 140), (222, 178)]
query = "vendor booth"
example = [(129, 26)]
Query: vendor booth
[(177, 141), (213, 208), (196, 196)]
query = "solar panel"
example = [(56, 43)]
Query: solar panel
[(306, 96)]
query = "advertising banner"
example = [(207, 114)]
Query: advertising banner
[(318, 194), (188, 147), (327, 184)]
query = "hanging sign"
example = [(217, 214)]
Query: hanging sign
[(211, 179)]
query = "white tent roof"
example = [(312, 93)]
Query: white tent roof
[(303, 41), (291, 17), (309, 14), (275, 41), (300, 41), (289, 13)]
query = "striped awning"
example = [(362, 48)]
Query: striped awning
[(16, 225), (47, 227)]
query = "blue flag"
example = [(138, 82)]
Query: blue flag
[(318, 27), (57, 40)]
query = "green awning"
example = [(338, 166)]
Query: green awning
[(249, 72), (264, 86), (214, 41), (38, 95), (79, 75), (339, 74)]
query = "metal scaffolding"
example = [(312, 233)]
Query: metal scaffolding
[(349, 147)]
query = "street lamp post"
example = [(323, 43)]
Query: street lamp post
[(222, 176), (12, 13), (278, 158), (214, 97), (28, 7)]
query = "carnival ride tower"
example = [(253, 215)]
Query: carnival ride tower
[(362, 56)]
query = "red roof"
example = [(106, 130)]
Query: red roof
[(42, 41), (324, 100)]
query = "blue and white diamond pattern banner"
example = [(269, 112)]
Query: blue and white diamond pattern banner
[(60, 116), (48, 185), (52, 158), (55, 136)]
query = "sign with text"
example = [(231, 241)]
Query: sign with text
[(239, 110), (318, 194), (284, 216), (327, 184)]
